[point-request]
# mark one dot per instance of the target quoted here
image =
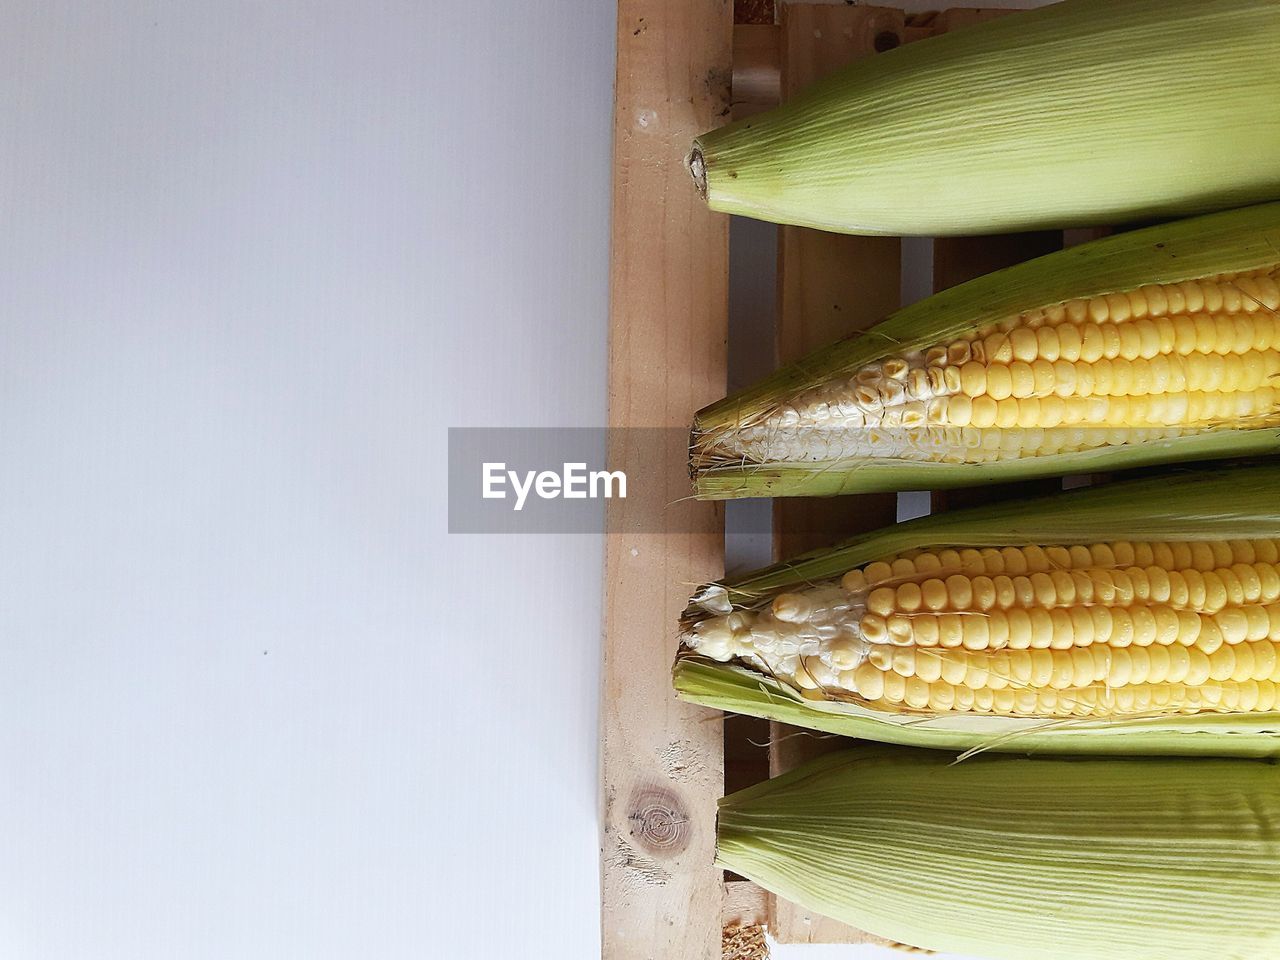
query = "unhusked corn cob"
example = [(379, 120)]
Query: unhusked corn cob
[(1028, 122), (1022, 858), (1020, 625), (1156, 359), (1088, 630)]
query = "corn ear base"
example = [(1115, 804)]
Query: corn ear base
[(1023, 859), (1083, 112), (1224, 504), (1237, 241)]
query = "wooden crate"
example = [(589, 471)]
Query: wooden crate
[(684, 67)]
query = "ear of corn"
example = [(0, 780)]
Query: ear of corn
[(1024, 859), (1083, 112), (1152, 346), (1139, 617)]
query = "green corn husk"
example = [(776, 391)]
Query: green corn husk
[(1023, 859), (1080, 113), (726, 462), (1226, 504)]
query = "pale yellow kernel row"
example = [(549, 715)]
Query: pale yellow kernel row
[(1256, 291), (1191, 588), (1061, 628), (1250, 293), (1127, 416), (1121, 377), (1089, 342), (1077, 667), (1201, 555)]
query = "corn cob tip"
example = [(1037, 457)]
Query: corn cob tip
[(695, 444), (696, 164)]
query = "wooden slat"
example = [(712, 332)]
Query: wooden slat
[(746, 756), (661, 760), (957, 259), (755, 87), (829, 286), (757, 72), (745, 904)]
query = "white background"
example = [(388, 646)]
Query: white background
[(255, 257)]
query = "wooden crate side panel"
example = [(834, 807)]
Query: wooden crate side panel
[(661, 762)]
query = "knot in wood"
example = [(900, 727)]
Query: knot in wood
[(658, 823)]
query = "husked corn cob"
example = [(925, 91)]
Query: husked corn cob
[(1139, 367), (1023, 858), (956, 629), (1082, 112), (1150, 363), (1092, 630)]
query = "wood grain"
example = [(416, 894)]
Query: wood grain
[(757, 72), (661, 762), (745, 904)]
